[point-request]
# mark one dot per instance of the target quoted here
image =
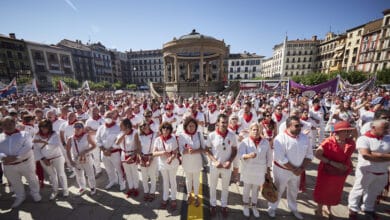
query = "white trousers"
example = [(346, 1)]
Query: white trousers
[(113, 167), (96, 160), (132, 176), (146, 173), (320, 131), (246, 192), (192, 180), (169, 181), (285, 179), (14, 175), (214, 175), (366, 188), (56, 171), (85, 169)]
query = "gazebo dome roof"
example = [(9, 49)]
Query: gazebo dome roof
[(195, 35)]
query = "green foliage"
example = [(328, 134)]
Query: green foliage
[(99, 85), (23, 80), (131, 86), (118, 85), (318, 78), (383, 77), (72, 83)]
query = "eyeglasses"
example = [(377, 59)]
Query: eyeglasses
[(298, 125), (267, 115), (278, 109), (234, 118), (148, 116), (386, 118), (165, 127)]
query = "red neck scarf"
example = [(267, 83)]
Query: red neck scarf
[(150, 132), (144, 106), (26, 124), (221, 134), (316, 108), (195, 114), (165, 138), (370, 135), (96, 117), (46, 136), (71, 123), (13, 132), (110, 125), (289, 134), (130, 132), (181, 106), (131, 116), (54, 120), (187, 104), (63, 117), (234, 128), (169, 115), (256, 140), (78, 137), (151, 122), (248, 117), (278, 117), (304, 118), (185, 131)]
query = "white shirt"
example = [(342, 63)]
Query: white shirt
[(57, 124), (50, 150), (290, 149), (18, 144), (168, 146), (105, 137), (221, 147), (374, 145), (191, 162), (94, 124)]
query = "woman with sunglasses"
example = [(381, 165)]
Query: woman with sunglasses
[(48, 143), (335, 165), (269, 128), (235, 128), (148, 165), (166, 149), (128, 140), (79, 148), (191, 145), (148, 118)]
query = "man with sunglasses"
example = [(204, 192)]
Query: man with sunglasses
[(292, 153)]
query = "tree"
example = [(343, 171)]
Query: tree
[(72, 83), (118, 85), (23, 80), (383, 77), (131, 86)]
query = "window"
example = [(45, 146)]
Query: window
[(359, 33), (231, 69), (247, 62), (232, 63), (237, 63), (287, 60), (246, 69), (286, 67), (358, 41), (246, 76), (254, 69), (238, 69), (9, 54), (299, 59), (253, 75)]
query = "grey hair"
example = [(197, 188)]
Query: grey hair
[(378, 122)]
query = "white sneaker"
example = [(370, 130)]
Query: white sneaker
[(271, 213), (297, 215), (122, 186), (18, 202), (246, 211), (36, 197), (53, 195), (93, 191), (255, 212), (109, 185)]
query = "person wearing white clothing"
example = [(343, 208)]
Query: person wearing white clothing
[(48, 142), (256, 160), (18, 160), (221, 149), (78, 150), (316, 113), (66, 131), (148, 164), (191, 145), (170, 117), (91, 126), (371, 170), (128, 141), (166, 149), (292, 154), (105, 140)]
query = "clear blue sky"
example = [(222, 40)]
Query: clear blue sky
[(247, 25)]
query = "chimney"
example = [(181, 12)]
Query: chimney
[(314, 38), (12, 35)]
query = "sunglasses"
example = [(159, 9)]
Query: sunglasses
[(267, 115), (278, 109), (148, 116), (234, 118), (78, 126), (298, 125), (166, 127)]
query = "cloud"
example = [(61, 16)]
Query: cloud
[(71, 5)]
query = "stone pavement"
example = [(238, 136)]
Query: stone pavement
[(113, 204)]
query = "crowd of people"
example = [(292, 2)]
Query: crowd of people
[(247, 140)]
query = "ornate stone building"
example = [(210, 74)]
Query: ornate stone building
[(194, 64), (244, 66)]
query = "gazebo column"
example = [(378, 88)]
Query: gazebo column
[(188, 70), (176, 73), (220, 75), (207, 71), (165, 70)]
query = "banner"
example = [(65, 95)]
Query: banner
[(85, 86), (346, 86), (30, 87), (329, 86), (10, 89), (64, 89)]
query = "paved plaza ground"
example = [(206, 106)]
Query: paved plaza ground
[(113, 204)]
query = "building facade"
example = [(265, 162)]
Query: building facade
[(146, 66), (266, 68), (244, 66), (368, 46), (119, 64), (352, 47), (331, 52), (101, 63), (48, 61), (14, 61), (82, 59), (382, 56)]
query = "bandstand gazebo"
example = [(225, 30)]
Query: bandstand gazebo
[(194, 64)]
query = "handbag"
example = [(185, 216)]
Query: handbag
[(333, 171), (269, 191)]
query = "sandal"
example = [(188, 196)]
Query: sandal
[(146, 197), (163, 204), (189, 199), (196, 201), (318, 213), (151, 197)]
